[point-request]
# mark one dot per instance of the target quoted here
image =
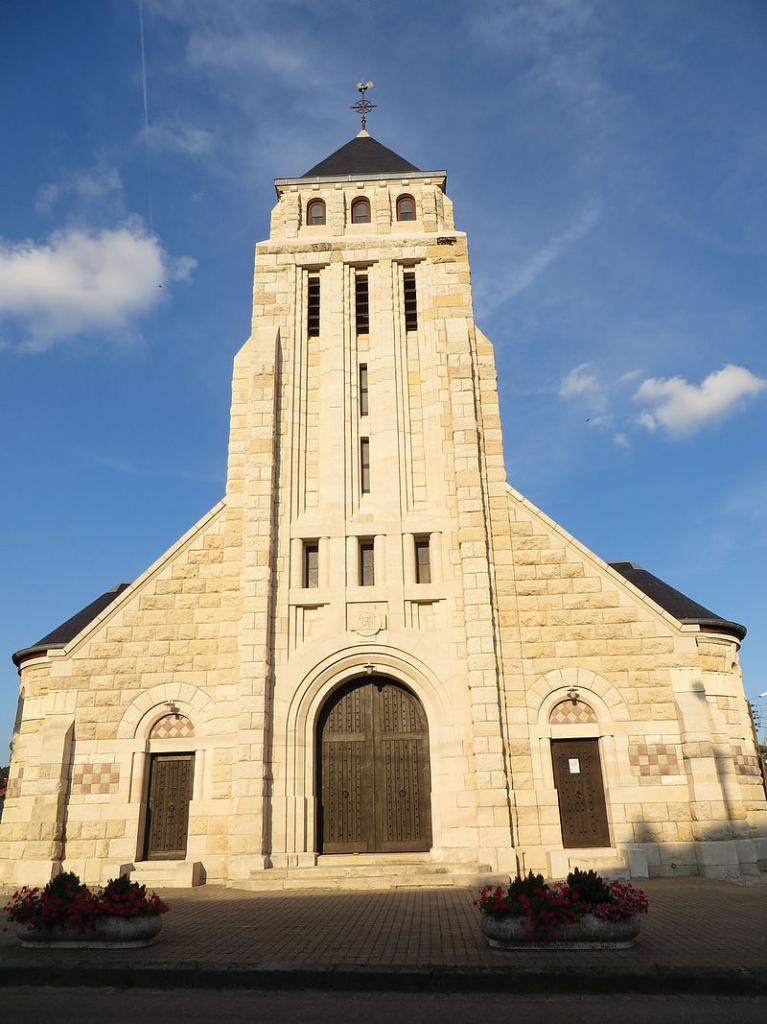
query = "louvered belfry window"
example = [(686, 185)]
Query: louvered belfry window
[(313, 306), (410, 300), (361, 303)]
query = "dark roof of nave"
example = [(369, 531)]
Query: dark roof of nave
[(363, 155), (674, 601), (61, 635)]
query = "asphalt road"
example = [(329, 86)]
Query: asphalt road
[(43, 1005)]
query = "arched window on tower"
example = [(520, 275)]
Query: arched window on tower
[(360, 211), (405, 208), (315, 212)]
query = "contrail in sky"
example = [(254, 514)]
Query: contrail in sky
[(146, 113)]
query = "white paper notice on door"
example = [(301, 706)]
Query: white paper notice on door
[(574, 765)]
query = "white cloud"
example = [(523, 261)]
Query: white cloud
[(580, 381), (682, 408), (79, 281), (621, 440)]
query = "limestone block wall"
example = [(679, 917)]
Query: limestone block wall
[(585, 630), (83, 737)]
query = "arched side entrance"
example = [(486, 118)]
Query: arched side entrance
[(374, 779)]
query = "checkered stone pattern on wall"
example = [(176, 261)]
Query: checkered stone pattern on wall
[(572, 712), (172, 727), (745, 764), (90, 779), (14, 785), (652, 760)]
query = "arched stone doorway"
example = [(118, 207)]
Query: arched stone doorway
[(374, 780)]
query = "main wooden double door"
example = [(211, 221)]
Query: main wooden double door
[(375, 785)]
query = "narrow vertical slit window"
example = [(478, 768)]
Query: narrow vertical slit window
[(313, 306), (365, 465), (367, 563), (363, 389), (411, 300), (361, 303), (422, 560), (311, 573)]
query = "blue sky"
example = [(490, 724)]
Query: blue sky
[(607, 159)]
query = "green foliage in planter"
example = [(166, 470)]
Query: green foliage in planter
[(589, 887), (119, 886), (526, 886), (64, 885)]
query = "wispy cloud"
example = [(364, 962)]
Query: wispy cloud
[(681, 408), (175, 137), (245, 51), (126, 467), (79, 281), (116, 463), (583, 387), (626, 378), (537, 264), (559, 44), (98, 185), (580, 381)]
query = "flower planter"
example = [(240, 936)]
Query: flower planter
[(65, 914), (588, 932), (108, 933), (585, 912)]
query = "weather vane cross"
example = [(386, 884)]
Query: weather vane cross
[(363, 106)]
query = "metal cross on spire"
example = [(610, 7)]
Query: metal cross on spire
[(363, 106)]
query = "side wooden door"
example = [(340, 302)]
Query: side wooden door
[(581, 793), (170, 791)]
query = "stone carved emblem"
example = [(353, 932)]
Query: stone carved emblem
[(366, 619)]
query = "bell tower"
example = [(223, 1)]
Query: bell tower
[(366, 466)]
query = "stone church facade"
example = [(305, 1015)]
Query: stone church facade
[(374, 661)]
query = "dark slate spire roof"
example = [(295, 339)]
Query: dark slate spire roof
[(674, 601), (362, 155), (61, 635)]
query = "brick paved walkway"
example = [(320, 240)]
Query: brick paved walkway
[(692, 923)]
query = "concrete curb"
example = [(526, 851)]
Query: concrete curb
[(645, 980)]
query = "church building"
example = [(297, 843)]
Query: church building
[(374, 662)]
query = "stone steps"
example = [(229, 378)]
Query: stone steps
[(368, 872), (165, 874), (609, 862)]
